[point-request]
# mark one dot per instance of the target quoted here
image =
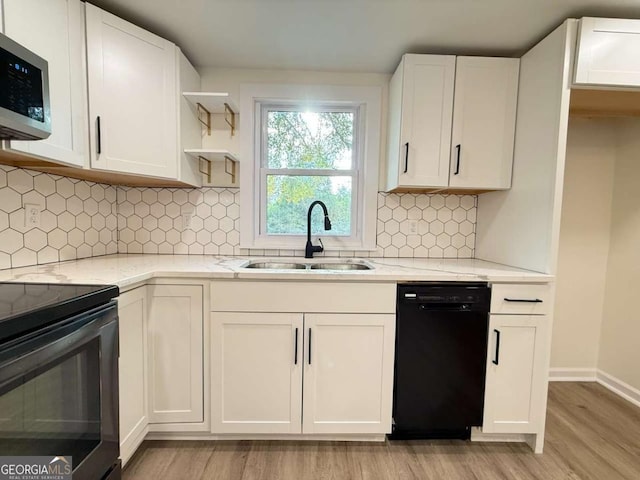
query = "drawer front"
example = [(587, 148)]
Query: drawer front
[(302, 297), (520, 299)]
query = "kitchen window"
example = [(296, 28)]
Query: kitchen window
[(307, 149)]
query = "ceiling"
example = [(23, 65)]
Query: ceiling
[(352, 35)]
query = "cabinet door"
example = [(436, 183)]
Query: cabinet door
[(53, 29), (256, 367), (420, 111), (348, 373), (484, 122), (516, 374), (608, 53), (132, 97), (132, 370), (175, 354)]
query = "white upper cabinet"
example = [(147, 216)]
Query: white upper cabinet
[(452, 123), (608, 53), (132, 98), (189, 129), (54, 30), (484, 120), (420, 111)]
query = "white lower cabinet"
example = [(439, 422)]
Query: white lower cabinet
[(260, 362), (348, 373), (516, 374), (175, 354), (256, 372), (132, 371)]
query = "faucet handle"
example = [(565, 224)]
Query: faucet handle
[(321, 245)]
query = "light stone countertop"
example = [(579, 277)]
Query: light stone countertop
[(129, 270)]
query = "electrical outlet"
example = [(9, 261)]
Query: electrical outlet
[(413, 226), (186, 220), (32, 215)]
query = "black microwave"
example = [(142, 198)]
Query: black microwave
[(25, 112)]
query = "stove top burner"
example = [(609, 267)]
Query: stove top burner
[(24, 306)]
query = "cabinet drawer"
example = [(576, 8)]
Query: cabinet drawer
[(521, 299), (311, 297)]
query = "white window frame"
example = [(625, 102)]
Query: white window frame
[(366, 103)]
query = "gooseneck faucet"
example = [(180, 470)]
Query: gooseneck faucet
[(310, 248)]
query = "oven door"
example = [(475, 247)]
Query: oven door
[(59, 393)]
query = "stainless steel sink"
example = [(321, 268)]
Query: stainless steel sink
[(276, 265), (340, 266), (271, 265)]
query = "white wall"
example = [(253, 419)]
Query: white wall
[(229, 80), (597, 322), (584, 243), (521, 226), (620, 338)]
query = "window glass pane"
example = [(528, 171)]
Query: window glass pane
[(289, 198), (308, 139)]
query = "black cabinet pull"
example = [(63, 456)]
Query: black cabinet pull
[(295, 358), (458, 148), (406, 158), (496, 359), (309, 346), (525, 300), (99, 136)]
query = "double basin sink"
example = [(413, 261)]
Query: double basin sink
[(308, 266)]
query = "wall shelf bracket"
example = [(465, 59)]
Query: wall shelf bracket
[(206, 170), (204, 117), (230, 118), (230, 168)]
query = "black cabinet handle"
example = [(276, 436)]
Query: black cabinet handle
[(99, 136), (525, 300), (309, 346), (458, 148), (496, 359), (406, 158), (295, 358)]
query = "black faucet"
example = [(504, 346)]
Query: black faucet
[(310, 248)]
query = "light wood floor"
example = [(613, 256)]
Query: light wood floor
[(591, 434)]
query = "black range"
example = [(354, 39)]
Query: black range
[(59, 375)]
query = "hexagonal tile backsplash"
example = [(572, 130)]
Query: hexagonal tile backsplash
[(150, 220), (78, 219), (83, 219)]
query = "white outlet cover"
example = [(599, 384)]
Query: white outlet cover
[(186, 220), (32, 212)]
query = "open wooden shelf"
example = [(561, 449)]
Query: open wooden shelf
[(208, 156), (214, 102), (211, 154)]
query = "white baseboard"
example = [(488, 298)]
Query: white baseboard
[(303, 437), (573, 375), (619, 387), (608, 381)]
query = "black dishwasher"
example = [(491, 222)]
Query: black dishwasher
[(440, 359)]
